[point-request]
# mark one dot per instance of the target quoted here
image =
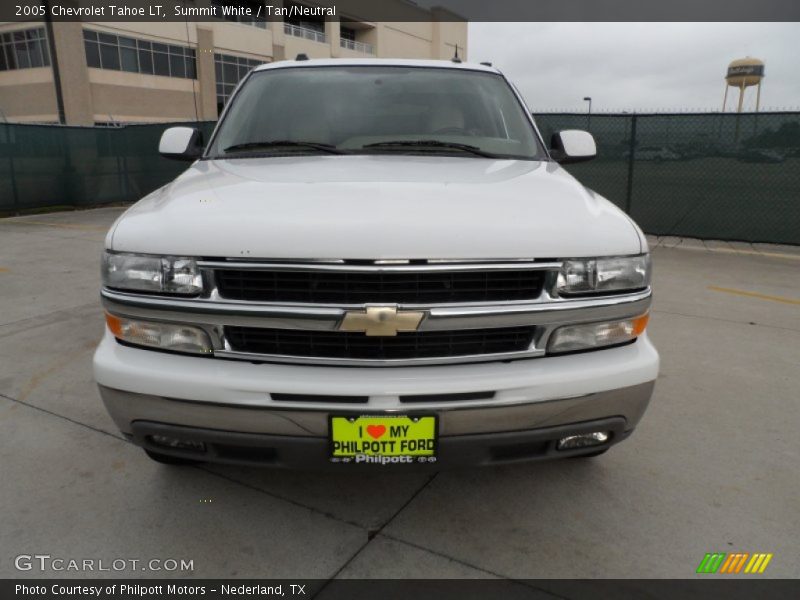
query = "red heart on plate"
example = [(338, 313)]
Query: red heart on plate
[(376, 431)]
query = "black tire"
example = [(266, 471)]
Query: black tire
[(166, 459), (592, 454)]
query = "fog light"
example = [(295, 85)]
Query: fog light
[(166, 441), (587, 336), (167, 336), (583, 440)]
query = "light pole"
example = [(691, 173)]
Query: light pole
[(51, 42), (588, 114)]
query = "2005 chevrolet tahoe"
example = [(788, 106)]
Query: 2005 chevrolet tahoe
[(375, 263)]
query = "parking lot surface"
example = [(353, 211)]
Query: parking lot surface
[(712, 466)]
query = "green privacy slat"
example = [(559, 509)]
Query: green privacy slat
[(45, 166), (710, 176)]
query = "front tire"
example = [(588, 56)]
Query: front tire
[(591, 454), (166, 459)]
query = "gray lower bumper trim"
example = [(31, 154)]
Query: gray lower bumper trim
[(480, 417), (312, 453)]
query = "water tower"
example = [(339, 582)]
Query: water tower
[(743, 73)]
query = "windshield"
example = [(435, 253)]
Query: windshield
[(366, 109)]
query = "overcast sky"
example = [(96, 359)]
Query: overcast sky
[(639, 66)]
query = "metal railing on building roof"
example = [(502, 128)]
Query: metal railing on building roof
[(362, 47), (304, 32)]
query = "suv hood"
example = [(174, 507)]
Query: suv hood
[(375, 207)]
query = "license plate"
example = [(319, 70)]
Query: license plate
[(384, 439)]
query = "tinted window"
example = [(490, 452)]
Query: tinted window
[(35, 52), (177, 66), (160, 64), (129, 59), (146, 61), (107, 51), (23, 56), (109, 57)]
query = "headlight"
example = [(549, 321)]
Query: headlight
[(596, 335), (166, 275), (598, 275), (165, 336)]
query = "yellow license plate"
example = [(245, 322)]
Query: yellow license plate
[(385, 439)]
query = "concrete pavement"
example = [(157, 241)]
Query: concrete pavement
[(712, 466)]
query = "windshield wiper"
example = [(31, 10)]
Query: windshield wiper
[(432, 144), (330, 148)]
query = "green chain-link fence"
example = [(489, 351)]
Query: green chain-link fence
[(48, 166), (713, 176)]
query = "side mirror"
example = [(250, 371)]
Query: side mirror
[(572, 146), (181, 143)]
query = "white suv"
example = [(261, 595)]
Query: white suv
[(375, 262)]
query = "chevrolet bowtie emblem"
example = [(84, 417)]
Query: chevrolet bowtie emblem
[(381, 321)]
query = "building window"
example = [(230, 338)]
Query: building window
[(25, 49), (230, 70), (120, 53), (258, 18)]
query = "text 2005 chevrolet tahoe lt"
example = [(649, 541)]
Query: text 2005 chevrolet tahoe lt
[(375, 263)]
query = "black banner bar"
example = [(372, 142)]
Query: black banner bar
[(402, 10), (709, 587)]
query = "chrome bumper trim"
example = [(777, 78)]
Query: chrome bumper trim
[(318, 318), (214, 314), (209, 312), (382, 267), (370, 362)]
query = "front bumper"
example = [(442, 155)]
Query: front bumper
[(303, 452), (230, 404)]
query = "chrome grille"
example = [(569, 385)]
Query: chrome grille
[(380, 286), (474, 311), (357, 346)]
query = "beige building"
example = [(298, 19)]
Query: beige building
[(170, 71)]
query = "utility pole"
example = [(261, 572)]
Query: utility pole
[(589, 113), (631, 159), (48, 22)]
